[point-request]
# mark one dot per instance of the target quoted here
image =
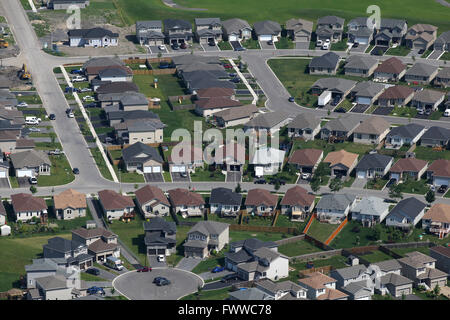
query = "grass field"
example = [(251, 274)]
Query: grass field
[(321, 231), (298, 248), (220, 294), (61, 173), (376, 256), (398, 51)]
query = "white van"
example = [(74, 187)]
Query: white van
[(447, 113), (114, 263), (32, 120)]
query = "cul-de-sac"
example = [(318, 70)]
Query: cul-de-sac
[(224, 150)]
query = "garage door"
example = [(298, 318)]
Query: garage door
[(156, 169), (161, 251), (361, 40), (233, 38), (363, 100), (2, 174), (395, 176), (440, 182), (24, 173), (301, 39), (178, 168), (361, 174), (265, 38), (152, 252), (147, 169)]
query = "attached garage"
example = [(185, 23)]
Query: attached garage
[(301, 39), (24, 173), (150, 169), (362, 40), (156, 169), (233, 38), (155, 42), (440, 182), (179, 168), (361, 174), (395, 176), (2, 174), (265, 37), (161, 251), (363, 100), (152, 252)]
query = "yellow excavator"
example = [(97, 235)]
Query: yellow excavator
[(3, 43), (24, 74)]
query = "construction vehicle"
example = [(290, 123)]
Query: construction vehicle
[(3, 43), (24, 74)]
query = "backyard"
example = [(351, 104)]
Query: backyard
[(321, 231), (298, 248)]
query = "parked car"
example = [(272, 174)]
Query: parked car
[(55, 152), (232, 75), (228, 66), (270, 42), (91, 105), (442, 189), (291, 99), (52, 116), (93, 271), (34, 129), (144, 269), (70, 89), (163, 65), (420, 111), (76, 171), (76, 71), (229, 278), (96, 290), (163, 282), (22, 104), (340, 110), (391, 182), (305, 175), (211, 43), (85, 90), (155, 280), (355, 45), (162, 47), (70, 114), (217, 269), (183, 174), (32, 180), (447, 113), (236, 80), (261, 181), (79, 79), (427, 112), (239, 49), (88, 98), (319, 43), (161, 258), (175, 46), (421, 51), (183, 45)]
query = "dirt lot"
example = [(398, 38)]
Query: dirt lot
[(10, 74), (5, 33)]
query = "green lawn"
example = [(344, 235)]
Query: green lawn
[(376, 256), (205, 175), (445, 56), (250, 44), (406, 112), (321, 231), (298, 248), (284, 221), (284, 43), (399, 51), (339, 46), (90, 277), (327, 147), (131, 177), (211, 262), (348, 183), (377, 184), (61, 172), (414, 186), (263, 236), (224, 45), (336, 261), (402, 251), (427, 153), (220, 294), (31, 99), (101, 165)]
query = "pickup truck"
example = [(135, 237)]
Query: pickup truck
[(55, 152)]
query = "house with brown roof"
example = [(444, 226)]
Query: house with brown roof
[(408, 168), (437, 220), (235, 116), (306, 160), (442, 256), (69, 204), (152, 202), (101, 243), (396, 96), (392, 69), (297, 203), (186, 203), (443, 78), (261, 202), (321, 287), (115, 206), (341, 162), (439, 172), (209, 93), (427, 99), (207, 107), (23, 144), (371, 131), (8, 140), (421, 36), (26, 206)]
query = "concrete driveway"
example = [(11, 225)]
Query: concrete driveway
[(188, 263), (361, 48), (176, 177), (265, 45), (23, 182), (154, 263), (234, 176), (139, 286), (209, 275), (436, 54), (4, 183), (153, 177), (155, 49), (301, 45), (414, 53), (359, 183), (209, 48), (105, 274)]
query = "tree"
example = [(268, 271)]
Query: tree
[(277, 185), (437, 290), (315, 184), (336, 184), (430, 196), (33, 189), (238, 188), (395, 191)]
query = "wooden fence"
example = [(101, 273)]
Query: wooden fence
[(155, 72), (316, 255), (237, 227), (290, 240), (324, 270)]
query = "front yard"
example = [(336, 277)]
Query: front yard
[(329, 147), (376, 184), (61, 172), (398, 51), (201, 174)]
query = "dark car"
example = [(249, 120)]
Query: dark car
[(442, 189), (175, 46), (68, 110), (76, 71), (427, 112), (391, 182), (291, 99), (421, 51), (236, 80), (340, 110), (144, 269), (52, 116), (217, 269), (229, 278), (183, 46), (157, 279), (261, 181), (76, 171), (95, 290), (93, 271), (355, 45), (239, 49), (161, 281), (270, 43), (211, 43), (91, 105)]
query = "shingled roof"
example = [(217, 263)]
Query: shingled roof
[(23, 202), (440, 168), (408, 165), (256, 197), (306, 157), (341, 157), (70, 199), (373, 125), (392, 65), (150, 193), (438, 212), (180, 197), (112, 200), (297, 196)]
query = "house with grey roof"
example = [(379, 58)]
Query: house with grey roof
[(269, 121), (359, 31), (338, 86), (254, 294), (93, 37), (358, 290), (420, 36), (235, 116), (387, 267), (435, 136), (236, 29), (404, 135), (208, 29), (442, 43), (299, 30), (370, 211), (205, 237), (56, 287), (443, 78), (74, 252), (31, 163), (360, 66), (390, 31), (160, 236), (373, 165), (345, 276), (367, 92), (143, 158), (339, 127), (427, 99), (204, 79), (371, 131), (395, 285), (303, 126), (335, 207), (325, 64), (421, 72), (43, 267), (150, 32), (267, 30), (140, 130), (330, 27), (225, 202), (65, 4), (406, 214), (125, 101), (284, 290), (178, 31)]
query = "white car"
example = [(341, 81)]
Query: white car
[(447, 113), (88, 98), (162, 47), (161, 258), (326, 46), (319, 43), (78, 79), (34, 129), (85, 90), (22, 104), (305, 176), (70, 115)]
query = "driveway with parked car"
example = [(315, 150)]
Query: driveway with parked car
[(140, 285), (180, 177), (153, 177)]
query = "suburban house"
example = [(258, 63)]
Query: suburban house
[(325, 64), (306, 160), (392, 69), (359, 32), (339, 128), (395, 284), (150, 32), (149, 130), (406, 214), (371, 131), (115, 205), (370, 211), (373, 165), (181, 162), (267, 30), (178, 31), (253, 293), (435, 136), (230, 157), (108, 75), (116, 87), (367, 92), (442, 43), (269, 121), (160, 236), (443, 78), (208, 30), (208, 107), (143, 158), (125, 101), (406, 168), (297, 203), (186, 203), (253, 259), (396, 96), (442, 256), (58, 287), (95, 37), (339, 87), (101, 243), (235, 116), (224, 202), (437, 220), (303, 126), (261, 202), (284, 290), (421, 36), (404, 135), (390, 31), (421, 73), (335, 207), (330, 27), (152, 202), (43, 267), (427, 99), (73, 252), (341, 162), (348, 275), (26, 206), (205, 237), (385, 267), (360, 66), (30, 163), (321, 287), (236, 29), (267, 161), (65, 4), (299, 30), (439, 172), (69, 204), (421, 269)]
